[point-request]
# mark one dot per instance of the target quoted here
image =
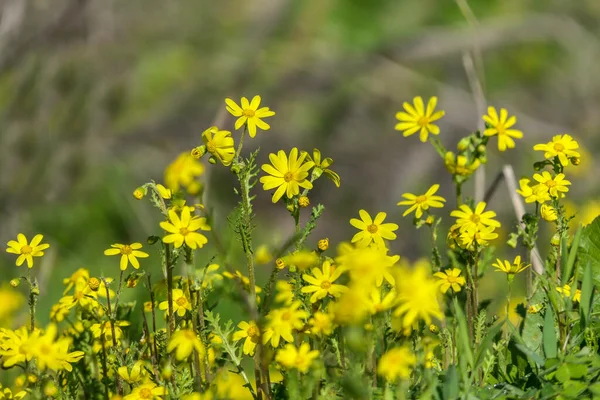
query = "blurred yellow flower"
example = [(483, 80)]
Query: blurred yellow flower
[(11, 301), (421, 203), (417, 296), (184, 342), (220, 144), (250, 332), (301, 259), (184, 229), (450, 278), (500, 126), (378, 303), (396, 363), (146, 391), (321, 282), (250, 114), (287, 174), (321, 324), (262, 255), (477, 235), (134, 375), (291, 357), (537, 193), (282, 321), (372, 231), (27, 250), (565, 290), (415, 118), (561, 146), (129, 254), (322, 167), (184, 171)]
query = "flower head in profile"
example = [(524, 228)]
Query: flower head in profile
[(421, 203), (450, 278), (510, 269), (129, 254), (27, 250), (184, 172), (219, 144), (415, 118), (184, 342), (561, 146), (321, 282), (250, 114), (460, 165), (300, 358), (556, 186), (531, 194), (501, 126), (372, 230), (183, 230), (548, 213), (396, 363), (322, 166), (466, 217), (287, 174), (133, 375)]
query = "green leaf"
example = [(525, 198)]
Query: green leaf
[(587, 287), (486, 343), (464, 343), (549, 335), (530, 354), (590, 248), (572, 255), (562, 373), (450, 389)]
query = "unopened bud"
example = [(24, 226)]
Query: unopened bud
[(212, 160), (199, 151), (434, 329), (32, 378), (576, 161), (94, 284), (303, 201), (280, 263), (290, 207), (430, 220), (481, 148), (483, 159), (139, 193), (167, 372), (15, 282), (463, 144), (132, 282), (323, 244), (152, 239), (555, 241), (50, 389)]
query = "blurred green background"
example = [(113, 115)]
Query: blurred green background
[(98, 96)]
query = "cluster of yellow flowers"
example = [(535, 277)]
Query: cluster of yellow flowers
[(294, 326)]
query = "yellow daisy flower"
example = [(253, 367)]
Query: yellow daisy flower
[(466, 217), (396, 363), (500, 126), (220, 144), (6, 393), (532, 194), (566, 291), (417, 296), (134, 375), (184, 342), (321, 324), (181, 304), (372, 231), (129, 254), (421, 203), (322, 165), (184, 171), (146, 391), (250, 332), (164, 192), (282, 321), (416, 118), (301, 358), (480, 235), (510, 269), (321, 282), (249, 114), (561, 146), (287, 174), (555, 186), (184, 229), (450, 278), (27, 250)]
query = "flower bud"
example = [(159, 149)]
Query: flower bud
[(434, 329), (50, 389), (212, 160), (555, 241), (15, 282), (94, 284), (35, 290), (132, 282), (280, 263), (575, 161), (152, 239), (430, 220), (303, 201), (32, 378), (290, 207), (483, 159), (323, 244), (199, 151), (481, 148), (139, 193), (167, 372), (148, 306), (463, 144)]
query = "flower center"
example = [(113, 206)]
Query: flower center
[(372, 228), (475, 218), (325, 285), (146, 393), (550, 183), (210, 146), (253, 331), (421, 199), (288, 176), (501, 129), (181, 301), (299, 360), (26, 249), (184, 231), (559, 147), (286, 316), (423, 121), (126, 250), (248, 113), (451, 279)]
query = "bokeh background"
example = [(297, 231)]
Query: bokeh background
[(98, 96)]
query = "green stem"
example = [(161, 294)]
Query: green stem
[(33, 292), (169, 269), (241, 144)]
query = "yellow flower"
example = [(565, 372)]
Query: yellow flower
[(566, 291), (25, 250), (282, 321), (136, 374), (372, 231), (11, 301), (477, 235), (285, 293), (417, 296), (210, 276), (396, 363), (249, 331), (416, 118), (287, 174), (510, 269), (146, 391), (537, 193), (52, 353), (106, 329), (500, 126), (184, 229), (220, 144), (323, 244), (301, 259), (320, 324), (561, 146), (164, 192), (184, 342), (465, 217), (368, 265), (322, 166), (262, 255), (321, 282), (300, 358), (460, 165), (129, 253), (450, 278), (181, 304), (377, 303), (548, 213), (183, 172), (555, 186), (17, 346), (421, 203), (6, 393), (249, 114)]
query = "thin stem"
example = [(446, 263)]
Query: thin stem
[(169, 268), (241, 144), (153, 316), (32, 300)]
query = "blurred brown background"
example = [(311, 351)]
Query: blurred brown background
[(98, 96)]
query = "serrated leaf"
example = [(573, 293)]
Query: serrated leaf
[(487, 342)]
